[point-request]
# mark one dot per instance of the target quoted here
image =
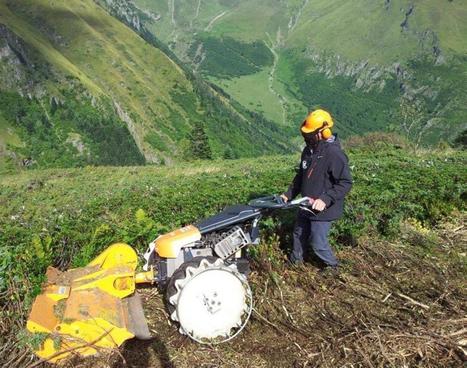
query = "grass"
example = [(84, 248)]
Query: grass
[(28, 33), (253, 92), (102, 53), (378, 36), (64, 217), (8, 138), (8, 135), (251, 21)]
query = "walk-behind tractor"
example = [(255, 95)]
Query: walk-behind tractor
[(203, 269)]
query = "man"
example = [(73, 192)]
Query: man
[(324, 176)]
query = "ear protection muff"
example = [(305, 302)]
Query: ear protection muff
[(326, 132)]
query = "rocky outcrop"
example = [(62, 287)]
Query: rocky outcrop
[(372, 77), (149, 155), (125, 10), (387, 4), (422, 95), (21, 68), (76, 141), (367, 76), (408, 13), (430, 46), (15, 62)]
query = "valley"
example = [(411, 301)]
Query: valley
[(358, 47)]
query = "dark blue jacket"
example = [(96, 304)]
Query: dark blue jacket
[(324, 174)]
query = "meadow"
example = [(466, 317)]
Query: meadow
[(64, 217)]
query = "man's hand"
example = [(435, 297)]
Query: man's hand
[(284, 197), (318, 205)]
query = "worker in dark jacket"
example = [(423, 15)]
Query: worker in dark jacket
[(324, 176)]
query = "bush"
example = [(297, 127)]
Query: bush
[(376, 141)]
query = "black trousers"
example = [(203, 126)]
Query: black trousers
[(315, 234)]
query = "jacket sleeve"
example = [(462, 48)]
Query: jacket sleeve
[(340, 172), (296, 186)]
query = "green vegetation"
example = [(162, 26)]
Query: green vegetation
[(72, 133), (447, 89), (90, 61), (227, 58), (355, 111), (416, 49), (9, 139), (47, 219), (461, 140), (160, 99), (253, 92), (199, 143), (379, 36)]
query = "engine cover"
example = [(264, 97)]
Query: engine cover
[(170, 244)]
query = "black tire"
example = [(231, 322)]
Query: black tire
[(179, 274)]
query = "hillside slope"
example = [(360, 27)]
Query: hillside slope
[(63, 53), (393, 65), (402, 236)]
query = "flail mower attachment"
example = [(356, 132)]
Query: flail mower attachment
[(86, 309)]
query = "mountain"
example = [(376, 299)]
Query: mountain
[(395, 65), (78, 86)]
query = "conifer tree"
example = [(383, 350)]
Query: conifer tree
[(199, 143), (229, 154)]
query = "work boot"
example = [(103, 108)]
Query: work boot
[(294, 263), (329, 271)]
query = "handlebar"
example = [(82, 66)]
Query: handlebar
[(277, 202), (302, 201)]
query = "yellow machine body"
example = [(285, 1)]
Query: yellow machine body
[(169, 245), (86, 309)]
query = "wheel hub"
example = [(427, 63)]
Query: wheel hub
[(212, 303)]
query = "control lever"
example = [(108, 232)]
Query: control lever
[(304, 203)]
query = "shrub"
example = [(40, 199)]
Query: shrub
[(376, 141)]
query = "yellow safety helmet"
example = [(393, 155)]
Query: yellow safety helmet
[(318, 120)]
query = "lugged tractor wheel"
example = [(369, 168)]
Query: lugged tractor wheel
[(210, 300)]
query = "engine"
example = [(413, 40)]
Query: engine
[(226, 244)]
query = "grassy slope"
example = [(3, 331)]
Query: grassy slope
[(252, 91), (103, 54), (357, 30), (21, 25), (246, 21), (8, 137), (80, 39), (243, 20), (51, 217), (376, 35)]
